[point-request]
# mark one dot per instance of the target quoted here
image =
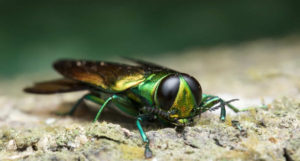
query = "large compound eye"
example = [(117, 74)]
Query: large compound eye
[(167, 91), (195, 87)]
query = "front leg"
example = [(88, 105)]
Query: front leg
[(148, 152), (209, 103)]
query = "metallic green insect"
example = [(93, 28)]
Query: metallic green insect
[(145, 91)]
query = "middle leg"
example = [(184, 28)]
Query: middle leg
[(148, 152)]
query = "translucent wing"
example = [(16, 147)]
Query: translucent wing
[(56, 86), (110, 77)]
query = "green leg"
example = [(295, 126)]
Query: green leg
[(215, 100), (245, 109), (76, 105), (237, 125), (124, 105), (148, 152), (223, 111), (209, 102), (103, 105), (95, 99), (236, 110)]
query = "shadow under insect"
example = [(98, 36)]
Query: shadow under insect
[(87, 111)]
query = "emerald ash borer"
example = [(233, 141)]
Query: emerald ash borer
[(145, 91)]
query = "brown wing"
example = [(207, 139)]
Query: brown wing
[(56, 86), (110, 77)]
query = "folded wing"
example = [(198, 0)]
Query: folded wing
[(56, 86), (109, 77)]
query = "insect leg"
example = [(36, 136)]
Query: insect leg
[(103, 105), (148, 152), (76, 105), (236, 110), (209, 103), (95, 99), (245, 109), (223, 110)]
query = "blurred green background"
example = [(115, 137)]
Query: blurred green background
[(35, 33)]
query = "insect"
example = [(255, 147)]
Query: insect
[(145, 91)]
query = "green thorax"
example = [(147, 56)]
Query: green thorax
[(145, 91)]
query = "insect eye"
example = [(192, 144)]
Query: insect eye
[(195, 87), (167, 91)]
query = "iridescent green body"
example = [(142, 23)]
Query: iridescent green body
[(145, 92)]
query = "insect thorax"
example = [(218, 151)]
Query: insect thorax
[(145, 91)]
